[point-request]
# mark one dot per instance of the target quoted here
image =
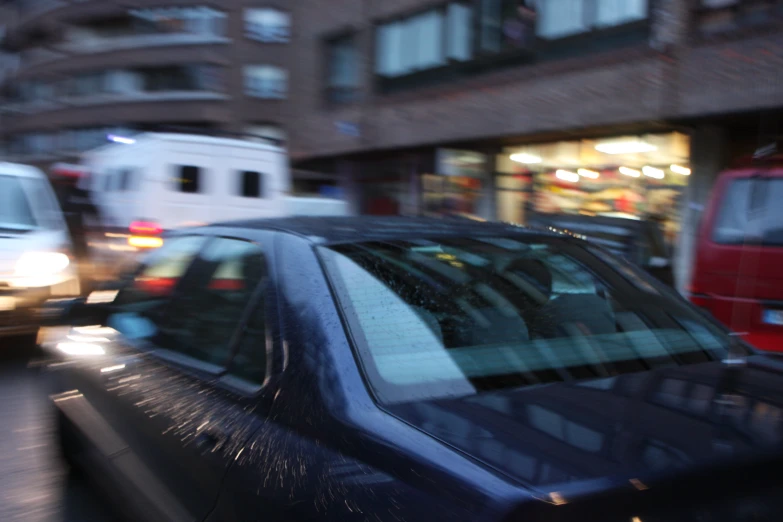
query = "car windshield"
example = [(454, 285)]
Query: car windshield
[(16, 213), (445, 317)]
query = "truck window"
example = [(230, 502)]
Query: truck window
[(188, 180), (252, 184), (127, 179), (749, 213)]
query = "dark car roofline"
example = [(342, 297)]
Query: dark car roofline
[(334, 230)]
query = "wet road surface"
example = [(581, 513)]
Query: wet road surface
[(34, 485)]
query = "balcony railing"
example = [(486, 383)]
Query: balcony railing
[(38, 56), (39, 106), (101, 45)]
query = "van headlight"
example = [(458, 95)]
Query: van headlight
[(41, 264)]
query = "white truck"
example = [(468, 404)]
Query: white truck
[(163, 181)]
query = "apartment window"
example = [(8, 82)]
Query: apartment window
[(124, 82), (267, 25), (561, 18), (459, 32), (252, 184), (195, 20), (266, 81), (508, 24), (343, 74), (189, 179), (424, 41), (182, 78), (617, 12), (86, 84), (411, 45)]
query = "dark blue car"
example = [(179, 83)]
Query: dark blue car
[(354, 369)]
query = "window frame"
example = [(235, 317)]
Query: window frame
[(247, 35), (328, 43), (219, 375), (597, 267), (271, 94), (596, 39), (261, 194), (179, 179)]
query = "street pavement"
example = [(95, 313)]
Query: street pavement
[(34, 485)]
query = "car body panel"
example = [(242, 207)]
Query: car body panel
[(314, 443)]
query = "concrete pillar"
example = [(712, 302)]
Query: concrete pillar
[(347, 171), (414, 186), (708, 159), (488, 206)]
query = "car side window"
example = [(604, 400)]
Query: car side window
[(138, 307), (250, 359), (204, 317)]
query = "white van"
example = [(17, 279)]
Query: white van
[(153, 182), (179, 180), (36, 260)]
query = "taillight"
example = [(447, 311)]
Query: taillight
[(144, 234), (145, 228)]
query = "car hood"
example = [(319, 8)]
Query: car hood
[(630, 427)]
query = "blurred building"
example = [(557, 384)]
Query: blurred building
[(486, 108), (499, 108), (74, 71)]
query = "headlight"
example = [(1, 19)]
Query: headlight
[(41, 264)]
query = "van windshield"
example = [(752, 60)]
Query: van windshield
[(750, 212), (458, 316), (16, 213)]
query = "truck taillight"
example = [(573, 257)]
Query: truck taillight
[(145, 228)]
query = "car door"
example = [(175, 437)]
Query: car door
[(187, 422), (103, 381)]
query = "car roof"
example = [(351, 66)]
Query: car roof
[(20, 170), (331, 229)]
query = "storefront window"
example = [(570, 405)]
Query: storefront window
[(458, 186), (641, 177), (513, 196), (384, 187)]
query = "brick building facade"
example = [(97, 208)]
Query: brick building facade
[(706, 69)]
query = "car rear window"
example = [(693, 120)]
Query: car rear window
[(750, 213), (434, 318)]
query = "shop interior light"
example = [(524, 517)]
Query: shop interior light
[(625, 147), (630, 172), (652, 172), (678, 169), (523, 157), (565, 175), (587, 173)]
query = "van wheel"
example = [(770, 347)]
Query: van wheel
[(68, 443)]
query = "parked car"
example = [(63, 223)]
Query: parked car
[(406, 370), (36, 261), (737, 275), (637, 240)]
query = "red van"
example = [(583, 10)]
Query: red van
[(738, 275)]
